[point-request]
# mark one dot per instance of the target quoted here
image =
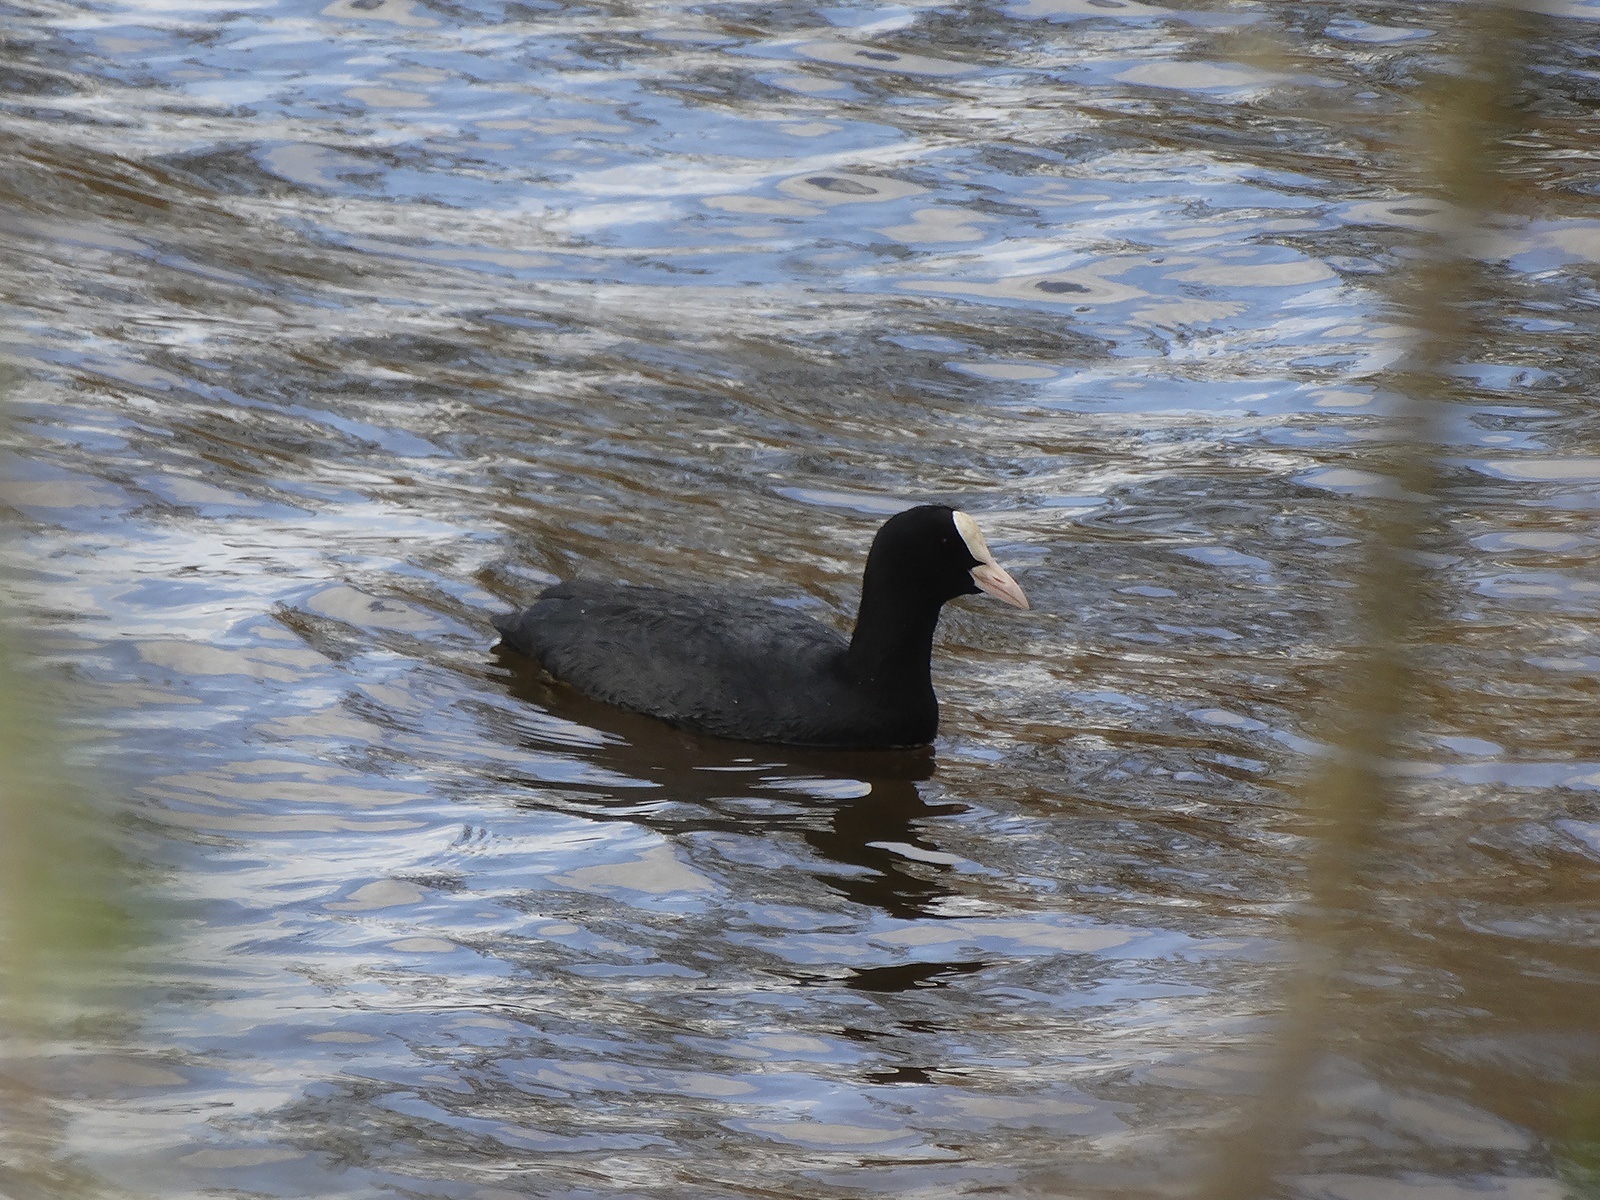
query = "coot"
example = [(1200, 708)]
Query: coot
[(748, 669)]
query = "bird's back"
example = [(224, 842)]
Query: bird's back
[(732, 666)]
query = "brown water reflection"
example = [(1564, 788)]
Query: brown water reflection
[(862, 810), (341, 327)]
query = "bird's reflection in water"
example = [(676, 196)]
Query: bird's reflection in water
[(858, 809)]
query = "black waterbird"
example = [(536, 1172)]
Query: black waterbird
[(745, 668)]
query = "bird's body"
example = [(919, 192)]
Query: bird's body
[(744, 668), (732, 666)]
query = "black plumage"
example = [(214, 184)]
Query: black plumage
[(748, 669)]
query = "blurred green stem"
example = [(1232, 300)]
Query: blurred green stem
[(1351, 796), (65, 920), (62, 915)]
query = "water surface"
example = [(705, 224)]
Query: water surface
[(342, 327)]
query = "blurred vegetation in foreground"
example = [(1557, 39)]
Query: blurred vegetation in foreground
[(66, 918), (1468, 116)]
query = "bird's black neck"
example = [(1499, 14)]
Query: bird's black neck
[(893, 641)]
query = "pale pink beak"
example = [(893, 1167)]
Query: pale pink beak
[(992, 578)]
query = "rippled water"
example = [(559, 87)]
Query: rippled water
[(341, 327)]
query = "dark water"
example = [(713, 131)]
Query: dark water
[(341, 327)]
